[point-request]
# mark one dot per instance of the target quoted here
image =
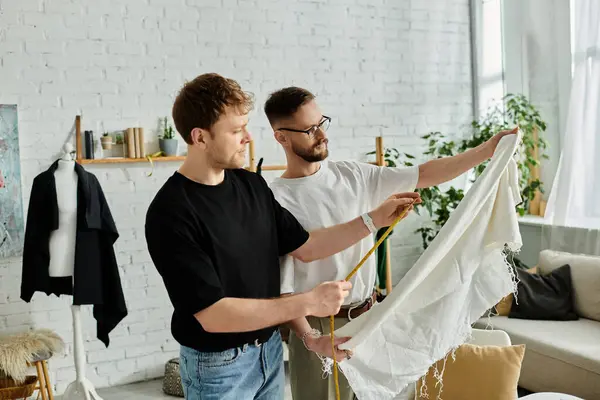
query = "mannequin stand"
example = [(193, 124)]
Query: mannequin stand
[(62, 259), (81, 387)]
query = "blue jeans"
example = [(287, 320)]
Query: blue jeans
[(242, 373)]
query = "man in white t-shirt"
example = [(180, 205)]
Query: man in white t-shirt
[(320, 192)]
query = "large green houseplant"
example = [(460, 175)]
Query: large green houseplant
[(513, 110)]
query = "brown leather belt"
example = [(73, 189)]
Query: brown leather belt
[(355, 311)]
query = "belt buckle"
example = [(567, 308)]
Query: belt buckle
[(368, 303), (350, 309), (257, 343)]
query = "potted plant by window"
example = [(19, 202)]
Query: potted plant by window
[(167, 143), (514, 110), (106, 141)]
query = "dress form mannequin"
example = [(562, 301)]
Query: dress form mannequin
[(62, 240), (62, 262)]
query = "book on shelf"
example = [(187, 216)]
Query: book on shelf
[(89, 145)]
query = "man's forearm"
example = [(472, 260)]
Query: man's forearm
[(435, 172), (326, 242), (243, 315), (300, 326)]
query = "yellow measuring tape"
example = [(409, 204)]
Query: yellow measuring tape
[(350, 275)]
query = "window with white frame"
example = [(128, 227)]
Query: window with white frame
[(489, 43), (509, 34)]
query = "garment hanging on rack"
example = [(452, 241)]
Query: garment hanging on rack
[(96, 275), (462, 274)]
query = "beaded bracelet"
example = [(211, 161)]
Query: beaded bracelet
[(313, 332)]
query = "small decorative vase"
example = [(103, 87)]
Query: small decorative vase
[(168, 146), (106, 142)]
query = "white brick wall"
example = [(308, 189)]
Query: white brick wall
[(394, 68)]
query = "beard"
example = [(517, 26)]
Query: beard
[(314, 153)]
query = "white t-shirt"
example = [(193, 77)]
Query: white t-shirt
[(338, 192)]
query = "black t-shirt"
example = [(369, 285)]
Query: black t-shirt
[(209, 242)]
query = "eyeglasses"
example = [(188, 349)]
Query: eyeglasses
[(323, 125)]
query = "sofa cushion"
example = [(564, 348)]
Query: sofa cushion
[(585, 276), (544, 297), (476, 372), (573, 342), (503, 307)]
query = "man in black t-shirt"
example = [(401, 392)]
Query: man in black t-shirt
[(215, 234)]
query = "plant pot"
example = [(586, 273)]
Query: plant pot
[(106, 142), (168, 146)]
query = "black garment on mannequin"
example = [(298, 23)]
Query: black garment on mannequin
[(96, 275)]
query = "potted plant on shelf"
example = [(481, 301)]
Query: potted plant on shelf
[(167, 143), (106, 141)]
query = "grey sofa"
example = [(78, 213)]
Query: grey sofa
[(561, 356)]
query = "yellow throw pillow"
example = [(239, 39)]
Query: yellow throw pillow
[(478, 372), (504, 305)]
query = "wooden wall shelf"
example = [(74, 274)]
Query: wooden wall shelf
[(110, 160), (121, 160)]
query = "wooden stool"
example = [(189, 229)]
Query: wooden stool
[(32, 348), (40, 362)]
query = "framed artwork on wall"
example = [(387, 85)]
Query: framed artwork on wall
[(11, 201)]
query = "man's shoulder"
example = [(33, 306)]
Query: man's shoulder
[(347, 165), (251, 181), (355, 171), (282, 192), (248, 177), (347, 169), (245, 175), (167, 200), (278, 184)]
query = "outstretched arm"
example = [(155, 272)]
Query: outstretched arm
[(444, 169), (326, 242)]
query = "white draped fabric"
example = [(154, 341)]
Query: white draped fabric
[(462, 274)]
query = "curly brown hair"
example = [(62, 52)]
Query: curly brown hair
[(200, 103)]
